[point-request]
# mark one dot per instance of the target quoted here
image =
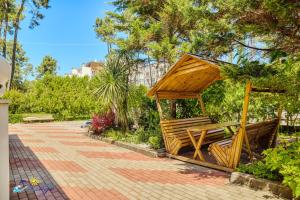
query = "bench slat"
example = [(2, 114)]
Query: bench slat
[(177, 136)]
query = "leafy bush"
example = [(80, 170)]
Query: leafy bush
[(63, 97), (15, 118), (281, 163), (113, 134), (286, 160), (142, 135), (17, 101), (259, 169), (155, 142), (100, 123)]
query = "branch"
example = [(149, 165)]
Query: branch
[(251, 47)]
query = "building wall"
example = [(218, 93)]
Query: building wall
[(148, 75), (87, 69), (145, 74)]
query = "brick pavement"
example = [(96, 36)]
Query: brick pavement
[(69, 165)]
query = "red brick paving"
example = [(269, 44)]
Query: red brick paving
[(43, 149), (172, 177), (68, 166), (65, 136), (33, 141), (116, 155), (93, 193), (70, 169), (87, 144)]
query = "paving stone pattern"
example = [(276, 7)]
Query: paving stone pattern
[(70, 165)]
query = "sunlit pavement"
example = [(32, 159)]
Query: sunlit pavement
[(57, 161)]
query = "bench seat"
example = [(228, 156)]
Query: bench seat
[(176, 136), (260, 136)]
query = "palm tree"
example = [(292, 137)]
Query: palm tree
[(112, 86)]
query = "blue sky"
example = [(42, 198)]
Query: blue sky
[(66, 33)]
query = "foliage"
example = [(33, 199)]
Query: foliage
[(140, 136), (149, 118), (112, 87), (155, 142), (15, 118), (286, 160), (280, 163), (23, 67), (12, 13), (259, 169), (72, 96), (48, 66), (163, 29), (100, 123), (17, 101), (281, 74)]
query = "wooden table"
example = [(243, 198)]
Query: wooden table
[(203, 129)]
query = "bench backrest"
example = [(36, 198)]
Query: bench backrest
[(260, 134), (178, 126), (257, 130)]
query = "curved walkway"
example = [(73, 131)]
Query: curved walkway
[(69, 165)]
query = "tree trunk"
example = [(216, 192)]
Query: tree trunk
[(150, 71), (173, 108), (16, 28), (1, 23), (5, 30)]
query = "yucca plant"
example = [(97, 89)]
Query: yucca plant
[(112, 87)]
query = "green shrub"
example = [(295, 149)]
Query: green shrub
[(114, 134), (142, 135), (260, 170), (66, 98), (15, 118), (286, 160), (155, 142), (281, 163)]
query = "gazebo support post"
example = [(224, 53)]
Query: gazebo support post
[(272, 143), (161, 117), (199, 97), (236, 155), (158, 107)]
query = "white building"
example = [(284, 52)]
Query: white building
[(87, 69), (82, 71), (145, 74)]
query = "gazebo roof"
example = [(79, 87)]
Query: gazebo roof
[(186, 78)]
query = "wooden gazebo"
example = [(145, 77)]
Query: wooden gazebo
[(187, 79)]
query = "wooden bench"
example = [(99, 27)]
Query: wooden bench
[(260, 136), (176, 136), (38, 119)]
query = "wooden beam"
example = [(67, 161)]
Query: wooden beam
[(236, 155), (272, 142), (200, 100), (254, 89), (158, 107), (176, 95), (201, 163), (246, 104), (161, 117)]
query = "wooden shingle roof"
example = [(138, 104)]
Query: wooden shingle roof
[(186, 78)]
